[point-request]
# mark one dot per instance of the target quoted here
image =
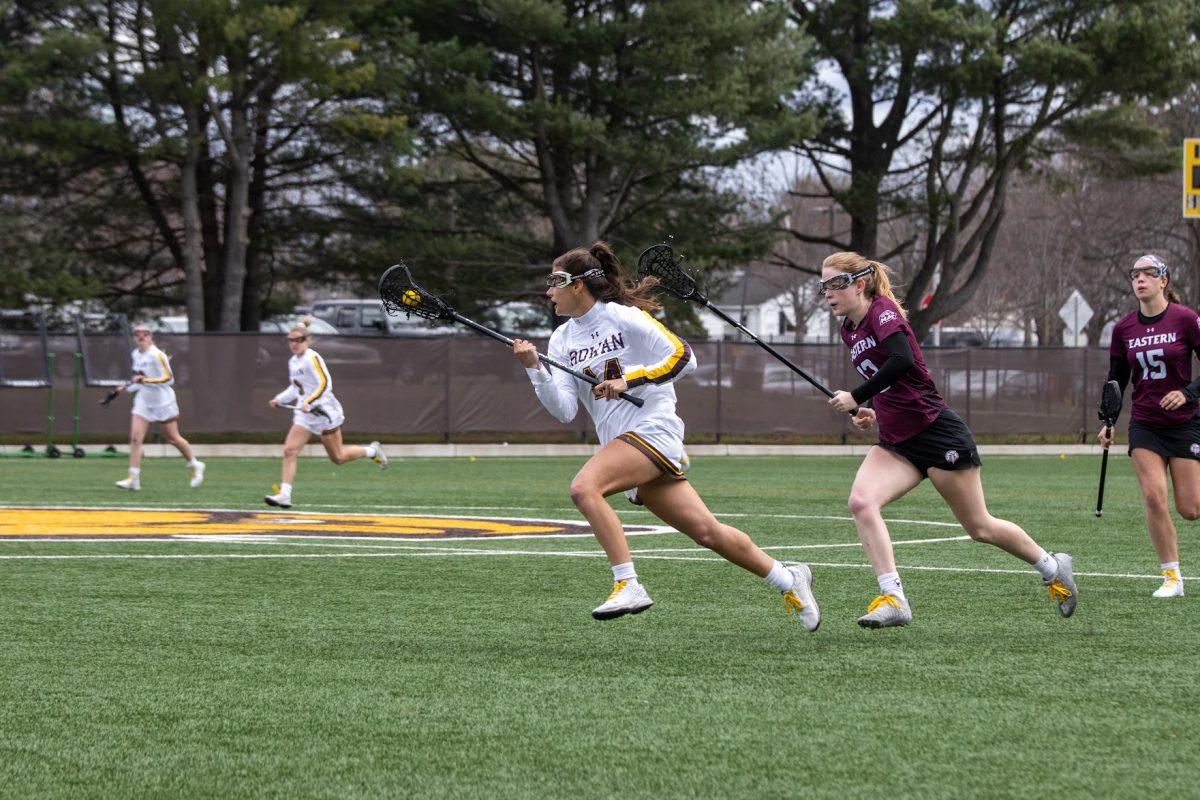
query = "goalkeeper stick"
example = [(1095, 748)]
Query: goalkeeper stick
[(400, 293)]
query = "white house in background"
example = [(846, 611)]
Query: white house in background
[(766, 299)]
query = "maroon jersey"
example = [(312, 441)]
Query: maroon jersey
[(909, 405), (1159, 353)]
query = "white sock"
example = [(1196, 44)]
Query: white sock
[(1046, 566), (369, 451), (135, 471), (624, 572), (1173, 565), (285, 489), (889, 583), (193, 463), (780, 577)]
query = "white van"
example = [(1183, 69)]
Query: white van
[(367, 318)]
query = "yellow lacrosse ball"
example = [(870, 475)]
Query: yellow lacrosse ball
[(410, 297)]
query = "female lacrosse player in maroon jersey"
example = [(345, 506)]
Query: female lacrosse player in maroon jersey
[(919, 437), (1154, 345)]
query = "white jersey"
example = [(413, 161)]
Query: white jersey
[(615, 341), (155, 390), (311, 385)]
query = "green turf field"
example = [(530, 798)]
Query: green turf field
[(358, 668)]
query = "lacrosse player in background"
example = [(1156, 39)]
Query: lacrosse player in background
[(153, 401), (1154, 346), (611, 337), (317, 411), (919, 437)]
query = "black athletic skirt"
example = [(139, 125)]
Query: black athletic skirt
[(946, 444), (1171, 441)]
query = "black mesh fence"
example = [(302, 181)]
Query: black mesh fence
[(439, 388)]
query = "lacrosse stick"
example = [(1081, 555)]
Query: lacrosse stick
[(400, 293), (112, 395), (320, 412), (1110, 407), (660, 263)]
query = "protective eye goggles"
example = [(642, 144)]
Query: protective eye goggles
[(1152, 270), (843, 281), (559, 279)]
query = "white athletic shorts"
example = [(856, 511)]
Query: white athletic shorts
[(663, 445), (331, 420), (160, 413)]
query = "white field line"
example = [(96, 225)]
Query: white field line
[(454, 552)]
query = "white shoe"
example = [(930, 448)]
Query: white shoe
[(1172, 585), (799, 598), (279, 499), (886, 611), (133, 483), (197, 475), (380, 457), (626, 598), (1061, 587)]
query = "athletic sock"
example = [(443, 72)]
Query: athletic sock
[(624, 572), (889, 583), (193, 463), (1172, 565), (369, 451), (780, 577), (285, 489), (135, 471), (1046, 566)]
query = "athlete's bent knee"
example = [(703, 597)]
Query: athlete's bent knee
[(1189, 511), (861, 503), (583, 492), (979, 530), (705, 534)]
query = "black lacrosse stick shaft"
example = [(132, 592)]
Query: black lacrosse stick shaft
[(1110, 407), (1103, 473), (400, 292), (660, 262), (499, 337)]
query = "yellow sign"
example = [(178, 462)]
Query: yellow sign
[(148, 523), (1191, 178)]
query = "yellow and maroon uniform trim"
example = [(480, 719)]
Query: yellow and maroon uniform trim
[(324, 382), (667, 370), (166, 376), (663, 463)]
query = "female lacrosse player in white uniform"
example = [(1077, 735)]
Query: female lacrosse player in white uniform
[(317, 411), (153, 401), (611, 337), (920, 437), (1154, 346)]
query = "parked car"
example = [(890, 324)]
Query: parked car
[(367, 318), (282, 324)]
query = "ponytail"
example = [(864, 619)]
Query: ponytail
[(879, 283), (612, 286)]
